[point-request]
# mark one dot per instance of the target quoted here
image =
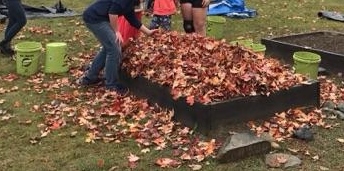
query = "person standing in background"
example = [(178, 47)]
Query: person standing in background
[(16, 21), (162, 14), (194, 13), (101, 18)]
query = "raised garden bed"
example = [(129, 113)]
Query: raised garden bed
[(329, 45), (207, 118)]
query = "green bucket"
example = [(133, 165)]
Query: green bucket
[(307, 63), (27, 57), (258, 48), (245, 42), (215, 26), (56, 58)]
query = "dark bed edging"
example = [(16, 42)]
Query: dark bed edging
[(207, 118)]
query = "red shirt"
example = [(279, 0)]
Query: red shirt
[(164, 7)]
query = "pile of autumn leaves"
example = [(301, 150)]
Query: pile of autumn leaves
[(205, 70)]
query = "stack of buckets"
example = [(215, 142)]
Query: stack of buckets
[(215, 25), (28, 58), (249, 44)]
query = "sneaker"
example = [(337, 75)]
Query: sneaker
[(6, 51), (85, 81), (120, 89)]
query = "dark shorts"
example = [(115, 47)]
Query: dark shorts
[(195, 3)]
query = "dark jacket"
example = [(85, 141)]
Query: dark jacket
[(99, 11)]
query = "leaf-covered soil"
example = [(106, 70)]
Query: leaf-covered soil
[(205, 70)]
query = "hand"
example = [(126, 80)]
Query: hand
[(119, 37), (205, 3), (151, 32)]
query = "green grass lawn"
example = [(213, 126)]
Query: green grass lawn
[(21, 149)]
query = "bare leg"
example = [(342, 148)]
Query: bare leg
[(186, 9), (199, 20)]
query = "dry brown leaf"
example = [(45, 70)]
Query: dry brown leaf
[(316, 157), (133, 158), (195, 166), (293, 150), (341, 140), (167, 162)]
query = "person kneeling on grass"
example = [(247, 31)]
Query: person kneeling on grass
[(101, 19)]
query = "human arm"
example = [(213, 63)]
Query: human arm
[(147, 31), (205, 3), (114, 25), (131, 18)]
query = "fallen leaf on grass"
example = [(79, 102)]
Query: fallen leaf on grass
[(14, 88), (35, 140), (195, 166), (100, 163), (167, 162), (90, 138), (10, 77), (185, 156), (324, 168), (113, 168), (341, 140), (73, 134), (27, 122), (293, 150), (16, 104), (6, 117), (2, 101), (44, 133), (35, 107), (145, 150), (132, 160), (316, 158)]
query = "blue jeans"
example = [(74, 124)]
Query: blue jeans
[(109, 57), (16, 20)]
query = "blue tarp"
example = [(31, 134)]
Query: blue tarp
[(231, 8)]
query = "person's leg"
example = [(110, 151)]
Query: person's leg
[(165, 22), (199, 16), (16, 21), (109, 57), (186, 10), (154, 24), (199, 20)]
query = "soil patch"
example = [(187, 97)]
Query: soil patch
[(325, 41)]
